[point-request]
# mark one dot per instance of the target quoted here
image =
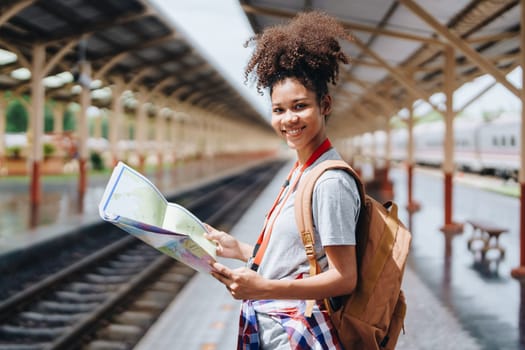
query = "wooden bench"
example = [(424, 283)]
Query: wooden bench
[(485, 238)]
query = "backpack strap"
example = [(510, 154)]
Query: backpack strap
[(303, 211)]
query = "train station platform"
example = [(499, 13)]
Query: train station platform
[(451, 305)]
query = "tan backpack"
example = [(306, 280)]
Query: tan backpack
[(372, 316)]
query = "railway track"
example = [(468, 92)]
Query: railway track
[(109, 298)]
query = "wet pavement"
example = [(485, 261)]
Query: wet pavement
[(487, 304)]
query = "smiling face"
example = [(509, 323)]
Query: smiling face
[(299, 117)]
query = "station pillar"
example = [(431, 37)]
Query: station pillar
[(412, 205), (519, 272), (141, 130), (115, 120), (450, 227), (37, 121), (83, 134)]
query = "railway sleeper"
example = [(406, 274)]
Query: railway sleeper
[(90, 288), (106, 345), (148, 305), (177, 275), (160, 296), (54, 319), (169, 287), (130, 257), (112, 271), (94, 278), (16, 346), (137, 318), (81, 297), (25, 333), (121, 332), (57, 306), (118, 264)]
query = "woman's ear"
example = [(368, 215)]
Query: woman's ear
[(326, 105)]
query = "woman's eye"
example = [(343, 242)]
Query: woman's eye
[(300, 106)]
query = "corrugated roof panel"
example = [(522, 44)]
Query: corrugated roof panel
[(367, 12), (37, 19)]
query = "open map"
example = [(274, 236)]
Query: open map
[(133, 203)]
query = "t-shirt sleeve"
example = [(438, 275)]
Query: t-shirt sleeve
[(335, 208)]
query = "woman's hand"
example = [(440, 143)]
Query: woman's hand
[(227, 245), (243, 283)]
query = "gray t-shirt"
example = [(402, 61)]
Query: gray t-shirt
[(335, 211)]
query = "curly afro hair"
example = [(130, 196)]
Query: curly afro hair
[(306, 48)]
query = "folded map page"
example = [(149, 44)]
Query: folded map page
[(133, 203)]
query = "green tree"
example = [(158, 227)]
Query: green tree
[(49, 121), (69, 120), (17, 118), (105, 127)]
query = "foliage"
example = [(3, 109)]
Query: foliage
[(49, 149), (17, 119), (430, 117), (14, 151), (69, 120), (49, 120), (105, 128), (96, 161)]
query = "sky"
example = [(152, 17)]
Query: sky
[(219, 29)]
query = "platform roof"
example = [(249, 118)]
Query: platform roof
[(400, 47), (129, 40)]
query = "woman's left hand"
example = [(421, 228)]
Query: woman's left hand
[(243, 283)]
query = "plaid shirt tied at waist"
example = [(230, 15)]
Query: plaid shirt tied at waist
[(304, 333)]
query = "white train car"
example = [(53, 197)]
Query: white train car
[(398, 144), (466, 144), (490, 147), (428, 143), (499, 143)]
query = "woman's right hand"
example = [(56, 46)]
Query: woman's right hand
[(227, 245)]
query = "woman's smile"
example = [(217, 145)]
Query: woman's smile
[(293, 131)]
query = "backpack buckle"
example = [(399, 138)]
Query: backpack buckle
[(309, 249), (308, 242)]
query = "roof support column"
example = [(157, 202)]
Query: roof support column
[(83, 131), (141, 130), (387, 187), (3, 117), (37, 124), (159, 142), (174, 137), (412, 205), (182, 132), (115, 120), (519, 272), (448, 163)]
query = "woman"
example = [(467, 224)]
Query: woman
[(296, 62)]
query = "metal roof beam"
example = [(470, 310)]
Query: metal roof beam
[(101, 26), (397, 74), (13, 10), (461, 45), (347, 24)]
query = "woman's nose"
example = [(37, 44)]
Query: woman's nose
[(290, 117)]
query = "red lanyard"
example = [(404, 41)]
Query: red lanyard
[(264, 237)]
